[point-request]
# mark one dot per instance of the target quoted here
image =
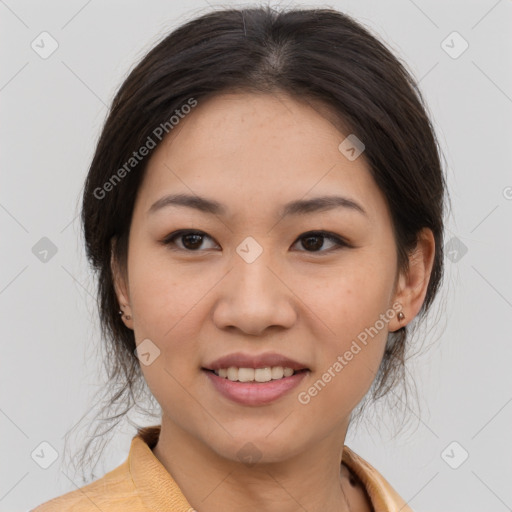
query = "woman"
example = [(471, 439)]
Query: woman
[(265, 213)]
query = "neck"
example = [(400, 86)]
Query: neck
[(311, 479)]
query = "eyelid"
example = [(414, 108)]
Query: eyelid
[(339, 241)]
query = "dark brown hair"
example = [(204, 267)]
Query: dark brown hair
[(317, 55)]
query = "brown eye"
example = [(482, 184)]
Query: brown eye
[(314, 241), (190, 240)]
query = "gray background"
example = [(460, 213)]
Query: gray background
[(52, 111)]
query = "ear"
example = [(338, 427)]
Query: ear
[(120, 281), (412, 284)]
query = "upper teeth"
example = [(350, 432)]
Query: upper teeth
[(254, 374)]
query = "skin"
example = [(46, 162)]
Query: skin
[(253, 153)]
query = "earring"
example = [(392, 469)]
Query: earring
[(400, 316), (126, 317)]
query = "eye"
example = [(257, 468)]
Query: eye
[(313, 241), (192, 240)]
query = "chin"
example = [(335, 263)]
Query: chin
[(252, 447)]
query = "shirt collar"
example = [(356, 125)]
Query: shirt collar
[(157, 488), (159, 491)]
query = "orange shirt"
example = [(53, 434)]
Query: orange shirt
[(142, 484)]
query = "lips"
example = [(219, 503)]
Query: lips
[(240, 360)]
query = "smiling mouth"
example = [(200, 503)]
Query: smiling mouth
[(255, 375)]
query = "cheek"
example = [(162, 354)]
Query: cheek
[(165, 313), (348, 358), (349, 298), (161, 295), (166, 305), (352, 309)]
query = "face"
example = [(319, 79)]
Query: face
[(305, 286)]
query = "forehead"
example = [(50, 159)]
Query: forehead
[(259, 150)]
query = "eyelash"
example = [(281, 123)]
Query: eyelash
[(340, 242)]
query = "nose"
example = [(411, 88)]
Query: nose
[(255, 297)]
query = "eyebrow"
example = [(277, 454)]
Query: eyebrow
[(297, 207)]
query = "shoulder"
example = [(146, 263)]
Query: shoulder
[(114, 492)]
